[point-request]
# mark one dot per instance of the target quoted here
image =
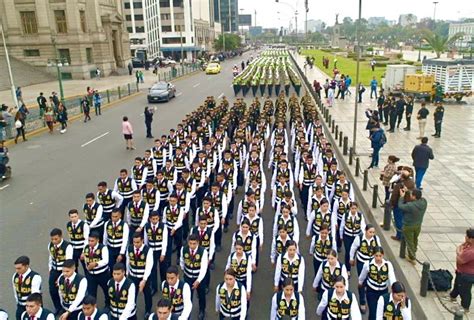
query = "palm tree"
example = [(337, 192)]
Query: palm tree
[(438, 42)]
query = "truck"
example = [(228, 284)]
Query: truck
[(455, 76), (395, 77)]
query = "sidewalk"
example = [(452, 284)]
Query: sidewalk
[(448, 183)]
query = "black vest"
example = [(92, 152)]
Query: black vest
[(23, 288), (69, 293)]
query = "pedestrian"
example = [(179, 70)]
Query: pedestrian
[(402, 180), (421, 155), (149, 112), (372, 64), (326, 88), (361, 91), (464, 271), (438, 119), (41, 100), (394, 305), (97, 103), (130, 68), (49, 118), (19, 95), (400, 106), (414, 208), (330, 99), (127, 131), (335, 63), (373, 87), (19, 126), (25, 282), (392, 115), (62, 117), (317, 88), (86, 109), (90, 95), (142, 79), (408, 113), (380, 106), (421, 116), (242, 65), (348, 82), (97, 73), (377, 140), (54, 100), (387, 173), (137, 76)]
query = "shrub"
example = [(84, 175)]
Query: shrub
[(399, 55)]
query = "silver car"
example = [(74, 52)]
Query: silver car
[(161, 91)]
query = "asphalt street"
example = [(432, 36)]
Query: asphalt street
[(52, 174)]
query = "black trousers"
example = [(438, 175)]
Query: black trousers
[(148, 129), (463, 287), (98, 280), (438, 128), (408, 120), (146, 292), (20, 132), (399, 117), (53, 289), (201, 292), (113, 255), (163, 265), (175, 241), (19, 311), (76, 255), (385, 115), (218, 235), (393, 121)]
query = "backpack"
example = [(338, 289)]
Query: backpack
[(383, 139), (441, 280)]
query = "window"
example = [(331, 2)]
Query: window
[(137, 5), (179, 16), (130, 29), (128, 17), (140, 29), (177, 3), (166, 28), (139, 17), (28, 22), (164, 3), (61, 23), (173, 40), (126, 5), (31, 53), (82, 16), (179, 28), (89, 55), (64, 55), (165, 16)]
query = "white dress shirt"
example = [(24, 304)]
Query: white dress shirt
[(35, 283), (81, 293), (301, 270), (406, 311), (355, 311), (301, 309), (243, 298), (187, 303)]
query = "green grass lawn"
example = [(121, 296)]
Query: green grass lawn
[(346, 66)]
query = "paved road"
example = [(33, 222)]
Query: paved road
[(53, 173)]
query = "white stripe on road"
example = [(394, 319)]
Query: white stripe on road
[(221, 95), (4, 187), (178, 94), (96, 138), (196, 85)]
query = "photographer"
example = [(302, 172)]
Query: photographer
[(149, 112), (464, 271), (404, 180), (387, 173)]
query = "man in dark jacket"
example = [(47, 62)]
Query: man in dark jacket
[(421, 155), (438, 119), (408, 113), (148, 113), (377, 141), (400, 105)]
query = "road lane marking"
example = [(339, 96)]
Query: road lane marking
[(196, 85), (4, 187), (221, 95), (96, 138), (178, 94)]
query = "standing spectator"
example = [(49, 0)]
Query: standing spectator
[(20, 126), (19, 95), (421, 116), (149, 111), (414, 208), (326, 88), (130, 68), (361, 91), (400, 106), (403, 180), (142, 79), (127, 131), (335, 63), (372, 64), (330, 99), (421, 155), (317, 88), (62, 117), (348, 84), (380, 104), (464, 271), (387, 173), (392, 115), (373, 87), (86, 108), (408, 113), (242, 65), (90, 95), (137, 76), (49, 118), (438, 119), (377, 141), (97, 103), (55, 100), (97, 73), (41, 100)]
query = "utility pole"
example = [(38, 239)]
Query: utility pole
[(296, 23), (306, 18), (354, 136), (181, 37), (222, 25), (7, 57), (434, 12)]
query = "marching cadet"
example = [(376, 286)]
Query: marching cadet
[(59, 251), (256, 228), (25, 282), (139, 266), (125, 186), (288, 303), (237, 152), (339, 303), (320, 247), (78, 232), (288, 201), (317, 218), (196, 144), (211, 157), (306, 178), (198, 174), (151, 196), (290, 265), (72, 290), (210, 213), (314, 203), (93, 212), (330, 178), (362, 249), (377, 276), (90, 310), (190, 187), (226, 188), (256, 172), (231, 297), (178, 293), (257, 190), (324, 164), (160, 154), (340, 208), (184, 202), (283, 170), (173, 218), (139, 172), (229, 168), (394, 305), (163, 311), (34, 309), (254, 158), (156, 237), (109, 200), (219, 203), (206, 239), (244, 204), (137, 213), (173, 141), (279, 190), (150, 164), (327, 272), (352, 225), (280, 244), (194, 263), (342, 184), (122, 295), (289, 222), (241, 263), (248, 239), (96, 260), (116, 235), (165, 188), (180, 161)]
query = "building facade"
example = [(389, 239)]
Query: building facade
[(407, 19), (467, 29), (227, 17), (205, 27), (315, 25), (87, 34)]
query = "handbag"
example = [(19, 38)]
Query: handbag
[(441, 280), (18, 124)]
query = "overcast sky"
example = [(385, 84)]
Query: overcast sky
[(326, 10)]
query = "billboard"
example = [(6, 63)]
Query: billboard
[(245, 19)]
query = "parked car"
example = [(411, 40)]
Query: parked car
[(213, 68), (161, 91), (168, 61), (137, 63)]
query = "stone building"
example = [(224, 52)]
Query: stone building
[(88, 34)]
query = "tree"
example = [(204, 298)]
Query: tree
[(232, 42), (438, 42)]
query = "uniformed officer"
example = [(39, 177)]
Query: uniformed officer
[(280, 244), (248, 239), (256, 228), (320, 247), (341, 184), (90, 311), (288, 303), (184, 202), (306, 177), (78, 232), (34, 308), (59, 251), (377, 276), (231, 298), (340, 207), (241, 263), (314, 203), (219, 203), (156, 237), (288, 200), (125, 186), (151, 196), (330, 178), (72, 290), (96, 259), (243, 208), (289, 222), (438, 119), (139, 266), (194, 263), (169, 171), (190, 185), (137, 213), (394, 305), (122, 295), (150, 163), (25, 282), (173, 218), (279, 190), (139, 172), (322, 216), (257, 190), (352, 225), (93, 213), (226, 187), (290, 265), (160, 154), (164, 187), (178, 292), (339, 303), (328, 271), (163, 311), (109, 200), (116, 235)]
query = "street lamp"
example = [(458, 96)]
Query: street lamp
[(434, 12), (181, 38), (242, 31), (354, 136), (10, 74), (58, 62)]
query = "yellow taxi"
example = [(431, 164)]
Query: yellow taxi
[(213, 68)]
